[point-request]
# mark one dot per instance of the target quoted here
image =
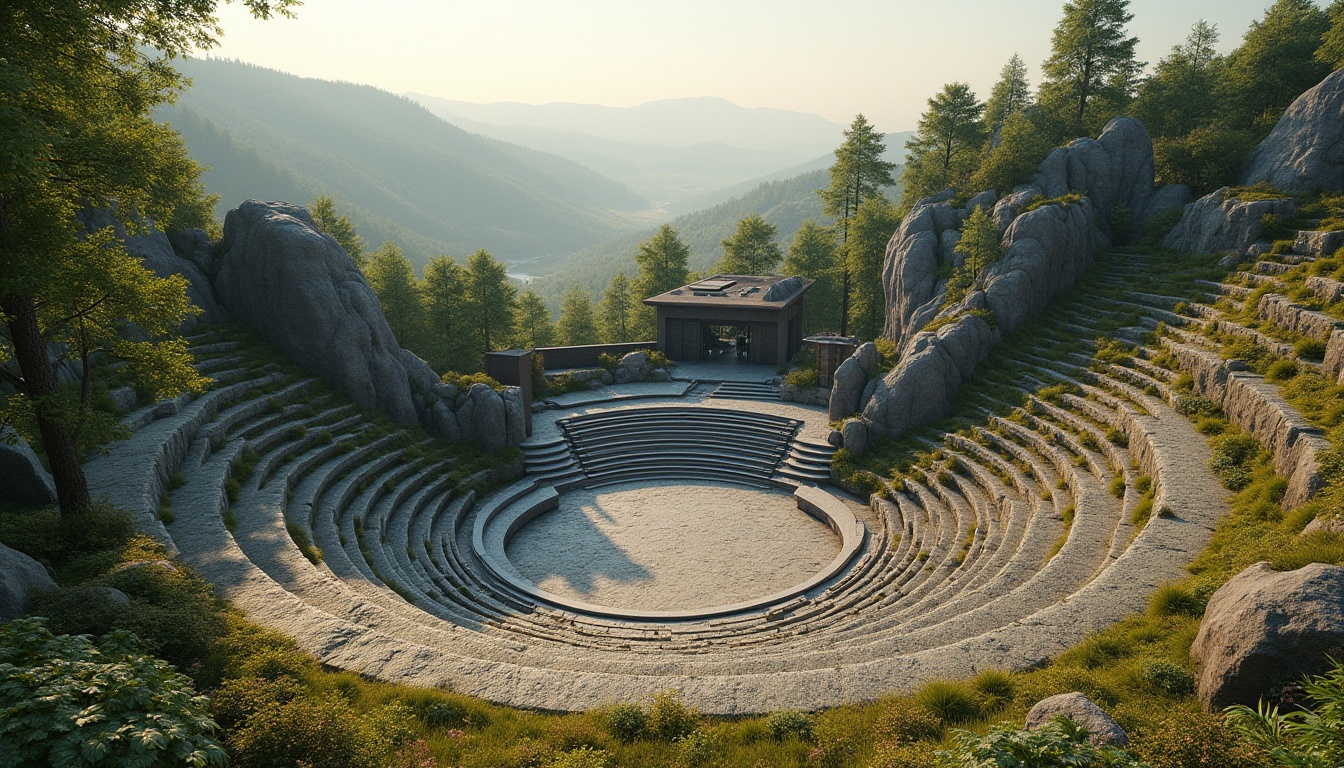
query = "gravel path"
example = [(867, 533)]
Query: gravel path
[(671, 545)]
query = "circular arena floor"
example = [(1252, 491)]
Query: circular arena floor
[(669, 545)]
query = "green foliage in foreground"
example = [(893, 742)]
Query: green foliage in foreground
[(1312, 737), (69, 702), (1060, 744)]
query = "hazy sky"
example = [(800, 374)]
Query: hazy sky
[(835, 58)]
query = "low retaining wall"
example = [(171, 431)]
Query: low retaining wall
[(1281, 311), (586, 356), (1256, 406)]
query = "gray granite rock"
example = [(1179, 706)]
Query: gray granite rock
[(195, 245), (1172, 197), (1113, 171), (1216, 223), (1263, 629), (19, 575), (1102, 730), (124, 398), (1327, 525), (985, 200), (1318, 243), (22, 475), (1010, 207), (854, 434), (1305, 151), (846, 388), (515, 415), (482, 418), (153, 248), (297, 288)]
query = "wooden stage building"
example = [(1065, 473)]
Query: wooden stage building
[(752, 316)]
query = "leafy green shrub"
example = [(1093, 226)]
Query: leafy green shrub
[(1309, 737), (698, 748), (789, 724), (804, 379), (69, 702), (608, 361), (1210, 425), (952, 701), (81, 610), (463, 381), (1060, 744), (76, 547), (996, 685), (583, 757), (627, 722), (319, 732), (1314, 547), (1194, 740), (173, 611), (1168, 677), (1274, 227), (1196, 405), (1071, 198), (670, 718), (1117, 487), (1233, 458), (901, 721)]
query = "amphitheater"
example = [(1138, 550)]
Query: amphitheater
[(687, 534)]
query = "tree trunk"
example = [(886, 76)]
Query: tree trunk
[(42, 387)]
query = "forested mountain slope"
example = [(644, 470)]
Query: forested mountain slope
[(401, 173)]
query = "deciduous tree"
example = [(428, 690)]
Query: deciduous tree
[(662, 263), (1091, 73), (1023, 144), (1274, 64), (752, 249), (450, 340), (1179, 96), (1331, 52), (78, 81)]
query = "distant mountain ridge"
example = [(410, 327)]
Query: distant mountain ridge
[(401, 173), (670, 151)]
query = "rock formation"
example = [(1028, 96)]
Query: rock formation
[(1264, 629), (22, 475), (157, 253), (19, 575), (1305, 151), (1222, 223), (1045, 250), (850, 380), (1102, 730), (299, 290)]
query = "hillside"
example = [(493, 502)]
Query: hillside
[(400, 172), (671, 151), (784, 203)]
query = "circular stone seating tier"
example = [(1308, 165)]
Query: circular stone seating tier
[(1003, 552)]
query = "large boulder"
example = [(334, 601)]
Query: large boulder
[(22, 475), (297, 288), (1305, 151), (1263, 629), (850, 381), (1114, 171), (1045, 252), (19, 575), (1221, 223), (913, 269), (1102, 730), (482, 417), (154, 249)]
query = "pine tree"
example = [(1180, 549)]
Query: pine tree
[(858, 174), (1274, 64), (616, 309), (578, 322), (1179, 96), (1010, 95), (662, 266), (392, 279), (865, 255), (449, 341), (489, 302), (812, 255), (752, 249), (330, 222), (944, 149), (533, 326), (1091, 73)]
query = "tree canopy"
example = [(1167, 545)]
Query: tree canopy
[(945, 148), (752, 249), (616, 309), (488, 302), (338, 226), (1091, 73), (858, 174), (1274, 64), (533, 326), (392, 279), (1179, 96), (812, 255), (578, 321), (1010, 95), (662, 263), (78, 81)]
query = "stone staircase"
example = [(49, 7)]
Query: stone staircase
[(741, 390)]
